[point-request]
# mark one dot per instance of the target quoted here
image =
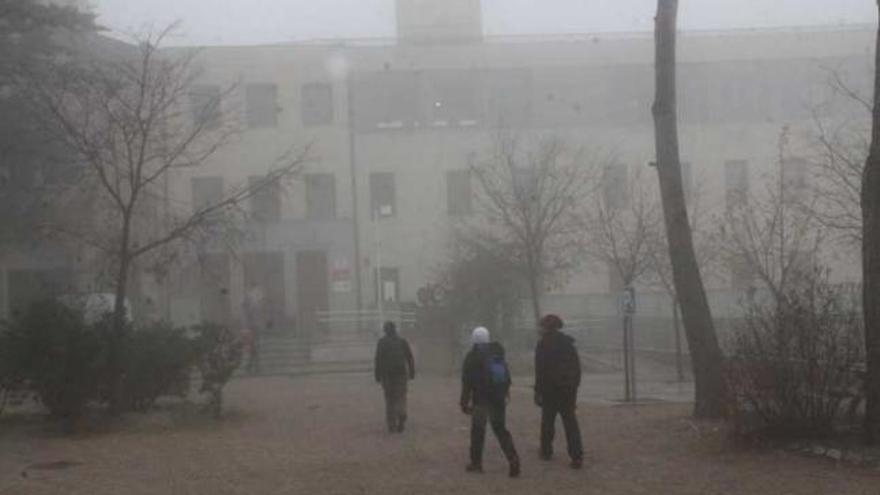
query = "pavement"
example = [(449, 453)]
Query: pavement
[(326, 435)]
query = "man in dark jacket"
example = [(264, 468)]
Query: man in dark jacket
[(485, 387), (557, 377), (394, 365)]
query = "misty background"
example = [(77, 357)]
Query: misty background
[(244, 22)]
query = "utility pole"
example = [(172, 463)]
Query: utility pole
[(355, 209), (679, 358), (380, 297)]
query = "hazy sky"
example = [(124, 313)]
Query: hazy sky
[(270, 21)]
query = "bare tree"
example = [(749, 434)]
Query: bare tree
[(529, 199), (621, 225), (34, 36), (774, 233), (129, 121), (481, 286), (840, 143), (706, 357), (870, 201), (708, 257)]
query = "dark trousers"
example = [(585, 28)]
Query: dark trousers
[(565, 409), (394, 387), (496, 415)]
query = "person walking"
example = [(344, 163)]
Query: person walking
[(557, 378), (485, 389), (394, 365)]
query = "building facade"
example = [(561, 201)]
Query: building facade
[(392, 126)]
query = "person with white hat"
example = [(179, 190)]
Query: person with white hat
[(485, 389)]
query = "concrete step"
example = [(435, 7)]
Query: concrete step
[(281, 355), (310, 369)]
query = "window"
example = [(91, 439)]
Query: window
[(320, 196), (614, 186), (458, 192), (736, 183), (388, 284), (205, 105), (262, 105), (206, 191), (452, 99), (382, 197), (266, 199), (387, 100), (317, 104)]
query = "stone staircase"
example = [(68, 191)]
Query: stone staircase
[(293, 356)]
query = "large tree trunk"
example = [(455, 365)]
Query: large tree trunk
[(706, 357), (871, 262)]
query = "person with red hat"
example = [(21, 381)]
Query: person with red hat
[(557, 378)]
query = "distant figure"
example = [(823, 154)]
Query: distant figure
[(557, 378), (394, 366), (485, 389)]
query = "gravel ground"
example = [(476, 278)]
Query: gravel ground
[(325, 435)]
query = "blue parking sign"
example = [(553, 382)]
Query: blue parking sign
[(628, 300)]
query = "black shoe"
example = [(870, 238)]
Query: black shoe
[(546, 456), (514, 468), (577, 463), (474, 468), (401, 425)]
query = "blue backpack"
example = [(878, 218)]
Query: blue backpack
[(499, 376)]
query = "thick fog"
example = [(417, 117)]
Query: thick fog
[(325, 246), (274, 21)]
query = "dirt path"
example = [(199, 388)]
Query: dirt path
[(326, 436)]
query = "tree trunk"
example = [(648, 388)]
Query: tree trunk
[(119, 318), (871, 263), (706, 357), (679, 355), (535, 289)]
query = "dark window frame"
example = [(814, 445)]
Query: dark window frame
[(377, 188), (268, 194), (313, 184), (206, 105)]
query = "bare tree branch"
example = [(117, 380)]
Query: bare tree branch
[(529, 200)]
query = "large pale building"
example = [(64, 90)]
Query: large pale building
[(393, 125)]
